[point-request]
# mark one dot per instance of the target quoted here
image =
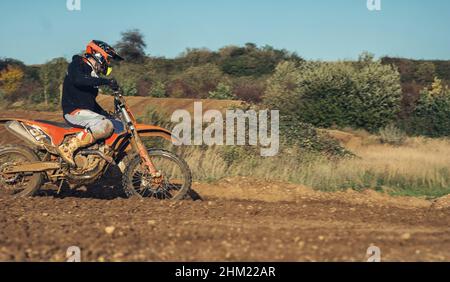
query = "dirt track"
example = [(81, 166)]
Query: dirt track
[(239, 220), (257, 221)]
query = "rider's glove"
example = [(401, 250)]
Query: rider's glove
[(113, 85)]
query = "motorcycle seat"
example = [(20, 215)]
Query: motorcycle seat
[(63, 125)]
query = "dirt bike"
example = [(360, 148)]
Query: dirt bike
[(145, 172)]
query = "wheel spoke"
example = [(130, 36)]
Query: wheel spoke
[(22, 184), (172, 183)]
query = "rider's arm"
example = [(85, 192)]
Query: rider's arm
[(80, 78)]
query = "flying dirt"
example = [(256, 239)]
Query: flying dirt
[(239, 219)]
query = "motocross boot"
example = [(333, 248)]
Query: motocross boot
[(68, 148)]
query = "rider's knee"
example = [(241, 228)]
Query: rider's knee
[(103, 130)]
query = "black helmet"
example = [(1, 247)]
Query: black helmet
[(103, 53)]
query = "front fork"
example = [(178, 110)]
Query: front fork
[(143, 153), (138, 145)]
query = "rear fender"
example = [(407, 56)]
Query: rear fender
[(5, 120), (17, 128)]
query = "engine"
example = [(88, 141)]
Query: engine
[(90, 166), (86, 163)]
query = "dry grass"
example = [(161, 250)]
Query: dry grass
[(414, 166), (420, 167)]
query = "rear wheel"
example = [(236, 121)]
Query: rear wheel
[(174, 183), (18, 184)]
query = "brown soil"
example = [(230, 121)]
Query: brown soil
[(240, 219), (139, 105)]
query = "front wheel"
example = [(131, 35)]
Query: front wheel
[(174, 183)]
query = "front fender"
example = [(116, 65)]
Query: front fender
[(145, 130), (123, 146)]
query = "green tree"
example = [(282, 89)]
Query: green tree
[(425, 72), (253, 61), (11, 79), (132, 46), (431, 116), (45, 76), (52, 76), (365, 94), (438, 88)]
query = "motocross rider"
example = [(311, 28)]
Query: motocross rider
[(80, 91)]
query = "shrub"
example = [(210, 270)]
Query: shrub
[(11, 79), (144, 87), (431, 116), (364, 95), (222, 92), (155, 116), (249, 89), (199, 80), (233, 154), (392, 135), (308, 139), (158, 90), (129, 88)]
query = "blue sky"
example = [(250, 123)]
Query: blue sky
[(36, 31)]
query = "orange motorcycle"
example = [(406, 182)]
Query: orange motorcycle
[(145, 172)]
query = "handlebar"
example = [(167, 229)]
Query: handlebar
[(118, 97)]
